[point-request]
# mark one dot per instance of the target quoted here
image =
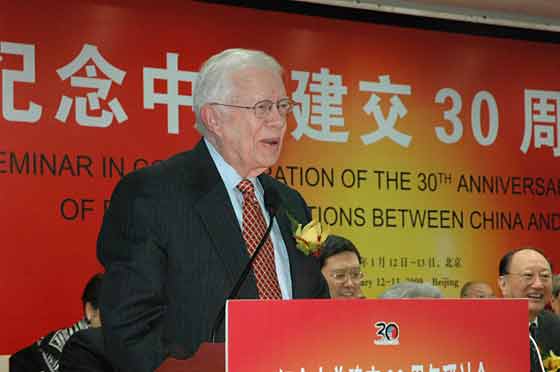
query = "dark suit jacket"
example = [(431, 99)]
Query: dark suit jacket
[(28, 359), (548, 333), (173, 249), (44, 354), (85, 352)]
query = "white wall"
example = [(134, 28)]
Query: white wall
[(4, 367), (534, 14)]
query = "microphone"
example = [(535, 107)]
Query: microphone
[(271, 203)]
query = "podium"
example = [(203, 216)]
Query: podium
[(367, 335)]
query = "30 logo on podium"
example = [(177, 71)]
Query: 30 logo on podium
[(387, 333)]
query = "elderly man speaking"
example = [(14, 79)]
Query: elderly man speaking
[(178, 234)]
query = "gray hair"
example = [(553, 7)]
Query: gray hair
[(213, 83), (411, 290), (556, 285), (465, 289)]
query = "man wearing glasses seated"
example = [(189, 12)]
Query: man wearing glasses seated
[(341, 266), (527, 273)]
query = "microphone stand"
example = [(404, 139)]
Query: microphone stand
[(235, 290)]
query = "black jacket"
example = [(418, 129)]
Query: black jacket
[(85, 352), (548, 333), (172, 250)]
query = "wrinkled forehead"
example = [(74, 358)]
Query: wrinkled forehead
[(528, 260), (252, 80)]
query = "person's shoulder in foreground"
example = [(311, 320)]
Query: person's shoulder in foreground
[(85, 352), (548, 334), (45, 353)]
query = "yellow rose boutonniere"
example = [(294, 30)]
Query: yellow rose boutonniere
[(552, 362), (311, 237)]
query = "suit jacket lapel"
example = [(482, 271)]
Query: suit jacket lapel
[(293, 253), (216, 212)]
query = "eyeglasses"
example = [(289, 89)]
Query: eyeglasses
[(529, 277), (342, 276), (263, 108)]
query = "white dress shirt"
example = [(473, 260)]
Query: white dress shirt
[(231, 179)]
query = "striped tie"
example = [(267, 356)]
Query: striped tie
[(254, 227)]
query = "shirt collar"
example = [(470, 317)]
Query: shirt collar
[(535, 322), (228, 174)]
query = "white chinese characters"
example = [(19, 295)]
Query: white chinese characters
[(397, 111), (27, 75), (172, 75), (542, 120), (322, 97), (322, 106), (101, 89)]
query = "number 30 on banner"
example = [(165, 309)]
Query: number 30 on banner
[(452, 115)]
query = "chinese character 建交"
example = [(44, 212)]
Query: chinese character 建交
[(397, 111), (322, 106)]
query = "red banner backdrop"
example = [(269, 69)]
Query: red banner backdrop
[(434, 152)]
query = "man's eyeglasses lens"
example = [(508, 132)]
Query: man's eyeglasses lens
[(263, 108), (341, 276)]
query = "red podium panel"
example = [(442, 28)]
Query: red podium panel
[(412, 335)]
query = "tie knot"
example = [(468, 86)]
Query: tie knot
[(247, 189)]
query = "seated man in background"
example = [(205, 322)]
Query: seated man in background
[(527, 273), (85, 350), (44, 354), (477, 290), (340, 264), (411, 290), (555, 299)]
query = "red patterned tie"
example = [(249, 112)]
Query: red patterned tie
[(254, 227)]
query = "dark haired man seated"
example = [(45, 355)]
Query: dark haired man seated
[(44, 354), (340, 263)]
